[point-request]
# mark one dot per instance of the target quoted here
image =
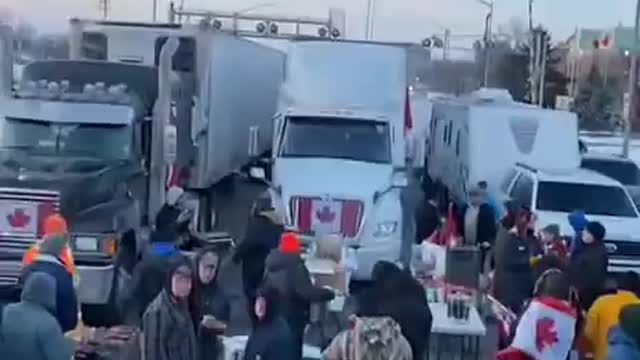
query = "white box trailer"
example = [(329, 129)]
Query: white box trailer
[(478, 137)]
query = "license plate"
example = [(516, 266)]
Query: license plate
[(84, 243)]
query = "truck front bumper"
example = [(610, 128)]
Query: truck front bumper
[(373, 251)]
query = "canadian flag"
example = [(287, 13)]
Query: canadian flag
[(552, 323), (326, 217)]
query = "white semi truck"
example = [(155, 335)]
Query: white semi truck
[(93, 139), (339, 146)]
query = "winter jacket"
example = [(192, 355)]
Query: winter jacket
[(578, 222), (148, 278), (588, 272), (213, 301), (622, 346), (263, 235), (29, 330), (428, 221), (486, 225), (270, 340), (168, 330), (66, 300), (371, 338), (513, 278), (602, 317), (288, 273)]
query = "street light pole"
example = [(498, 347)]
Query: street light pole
[(633, 79), (487, 39)]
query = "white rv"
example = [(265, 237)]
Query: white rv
[(479, 137), (339, 145)]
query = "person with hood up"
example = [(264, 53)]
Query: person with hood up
[(167, 325), (513, 277), (287, 272), (214, 308), (49, 261), (588, 267), (372, 335), (402, 298), (149, 274), (263, 235), (603, 314), (53, 225), (624, 339), (578, 222), (271, 338), (29, 331), (546, 330)]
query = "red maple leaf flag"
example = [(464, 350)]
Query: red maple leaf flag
[(553, 323), (18, 219), (546, 333), (326, 215)]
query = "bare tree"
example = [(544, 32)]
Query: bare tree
[(516, 29)]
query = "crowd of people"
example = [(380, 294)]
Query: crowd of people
[(559, 288), (542, 275)]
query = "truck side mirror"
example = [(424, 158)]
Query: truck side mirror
[(170, 144), (257, 173)]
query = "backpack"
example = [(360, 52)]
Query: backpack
[(379, 338)]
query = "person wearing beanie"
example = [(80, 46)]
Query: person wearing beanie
[(49, 261), (605, 312), (53, 225), (286, 271), (588, 267), (624, 339), (578, 222)]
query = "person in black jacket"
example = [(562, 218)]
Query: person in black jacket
[(271, 338), (287, 272), (513, 278), (401, 297), (477, 222), (214, 308), (263, 235), (48, 262), (588, 268), (427, 218)]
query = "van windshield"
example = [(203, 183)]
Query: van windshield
[(331, 137), (592, 199)]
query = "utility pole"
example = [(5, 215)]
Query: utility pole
[(487, 39), (633, 79), (104, 8), (154, 16)]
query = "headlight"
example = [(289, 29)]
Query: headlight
[(86, 243), (385, 228)]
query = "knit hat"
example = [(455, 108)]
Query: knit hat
[(53, 245), (597, 230), (630, 321), (55, 225), (290, 243), (552, 229)]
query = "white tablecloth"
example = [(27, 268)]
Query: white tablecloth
[(444, 325)]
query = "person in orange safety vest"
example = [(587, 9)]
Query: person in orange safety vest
[(53, 225)]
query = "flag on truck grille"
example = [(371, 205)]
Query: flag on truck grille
[(313, 214)]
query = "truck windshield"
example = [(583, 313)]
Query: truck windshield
[(592, 199), (102, 141), (331, 137), (626, 172)]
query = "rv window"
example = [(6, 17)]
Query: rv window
[(185, 57), (458, 143), (523, 191), (444, 134), (592, 199), (94, 46), (506, 182), (450, 131)]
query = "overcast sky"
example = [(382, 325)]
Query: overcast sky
[(401, 20)]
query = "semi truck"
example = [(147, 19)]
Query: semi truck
[(96, 140), (339, 159)]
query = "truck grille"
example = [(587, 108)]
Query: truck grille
[(622, 248), (334, 215), (22, 212), (10, 272)]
